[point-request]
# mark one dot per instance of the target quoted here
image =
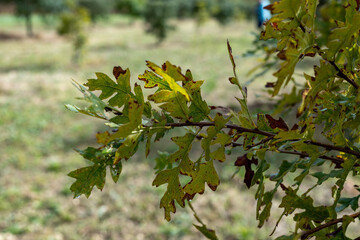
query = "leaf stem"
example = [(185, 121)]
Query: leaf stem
[(328, 224), (195, 214), (231, 126)]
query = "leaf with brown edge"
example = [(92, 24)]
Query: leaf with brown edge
[(152, 80), (182, 154), (206, 173), (173, 71), (277, 123), (169, 79), (174, 191), (119, 91), (249, 173)]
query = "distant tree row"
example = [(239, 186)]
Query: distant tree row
[(155, 12), (73, 16)]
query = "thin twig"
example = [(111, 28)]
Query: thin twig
[(342, 75), (264, 133), (230, 126), (335, 160), (328, 224), (332, 147), (261, 142)]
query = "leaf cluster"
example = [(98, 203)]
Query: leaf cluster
[(321, 146)]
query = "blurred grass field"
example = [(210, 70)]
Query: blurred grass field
[(38, 135)]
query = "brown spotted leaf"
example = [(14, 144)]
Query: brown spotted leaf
[(174, 191), (206, 173)]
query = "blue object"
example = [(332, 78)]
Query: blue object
[(262, 14)]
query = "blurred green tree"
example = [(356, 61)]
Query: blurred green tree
[(97, 8), (73, 24), (202, 13), (130, 7), (157, 14), (27, 8)]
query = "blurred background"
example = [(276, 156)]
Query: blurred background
[(44, 44)]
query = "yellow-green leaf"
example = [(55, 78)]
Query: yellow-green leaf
[(206, 173)]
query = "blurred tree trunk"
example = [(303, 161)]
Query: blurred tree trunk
[(29, 25)]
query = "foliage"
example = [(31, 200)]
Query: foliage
[(224, 11), (325, 137), (73, 23), (157, 14), (130, 7), (202, 13), (27, 8), (97, 8)]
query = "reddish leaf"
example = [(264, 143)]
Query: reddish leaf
[(295, 127), (277, 123), (117, 71), (270, 85), (242, 161), (249, 173), (282, 55)]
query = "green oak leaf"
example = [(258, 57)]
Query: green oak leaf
[(205, 173), (345, 202), (128, 147), (135, 113), (184, 143), (87, 178), (172, 102), (115, 171), (174, 191), (322, 177), (342, 37), (293, 55), (324, 75), (286, 10), (198, 110), (92, 154), (96, 107), (222, 139), (212, 131), (121, 88), (292, 201)]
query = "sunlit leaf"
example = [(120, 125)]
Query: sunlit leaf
[(121, 88)]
